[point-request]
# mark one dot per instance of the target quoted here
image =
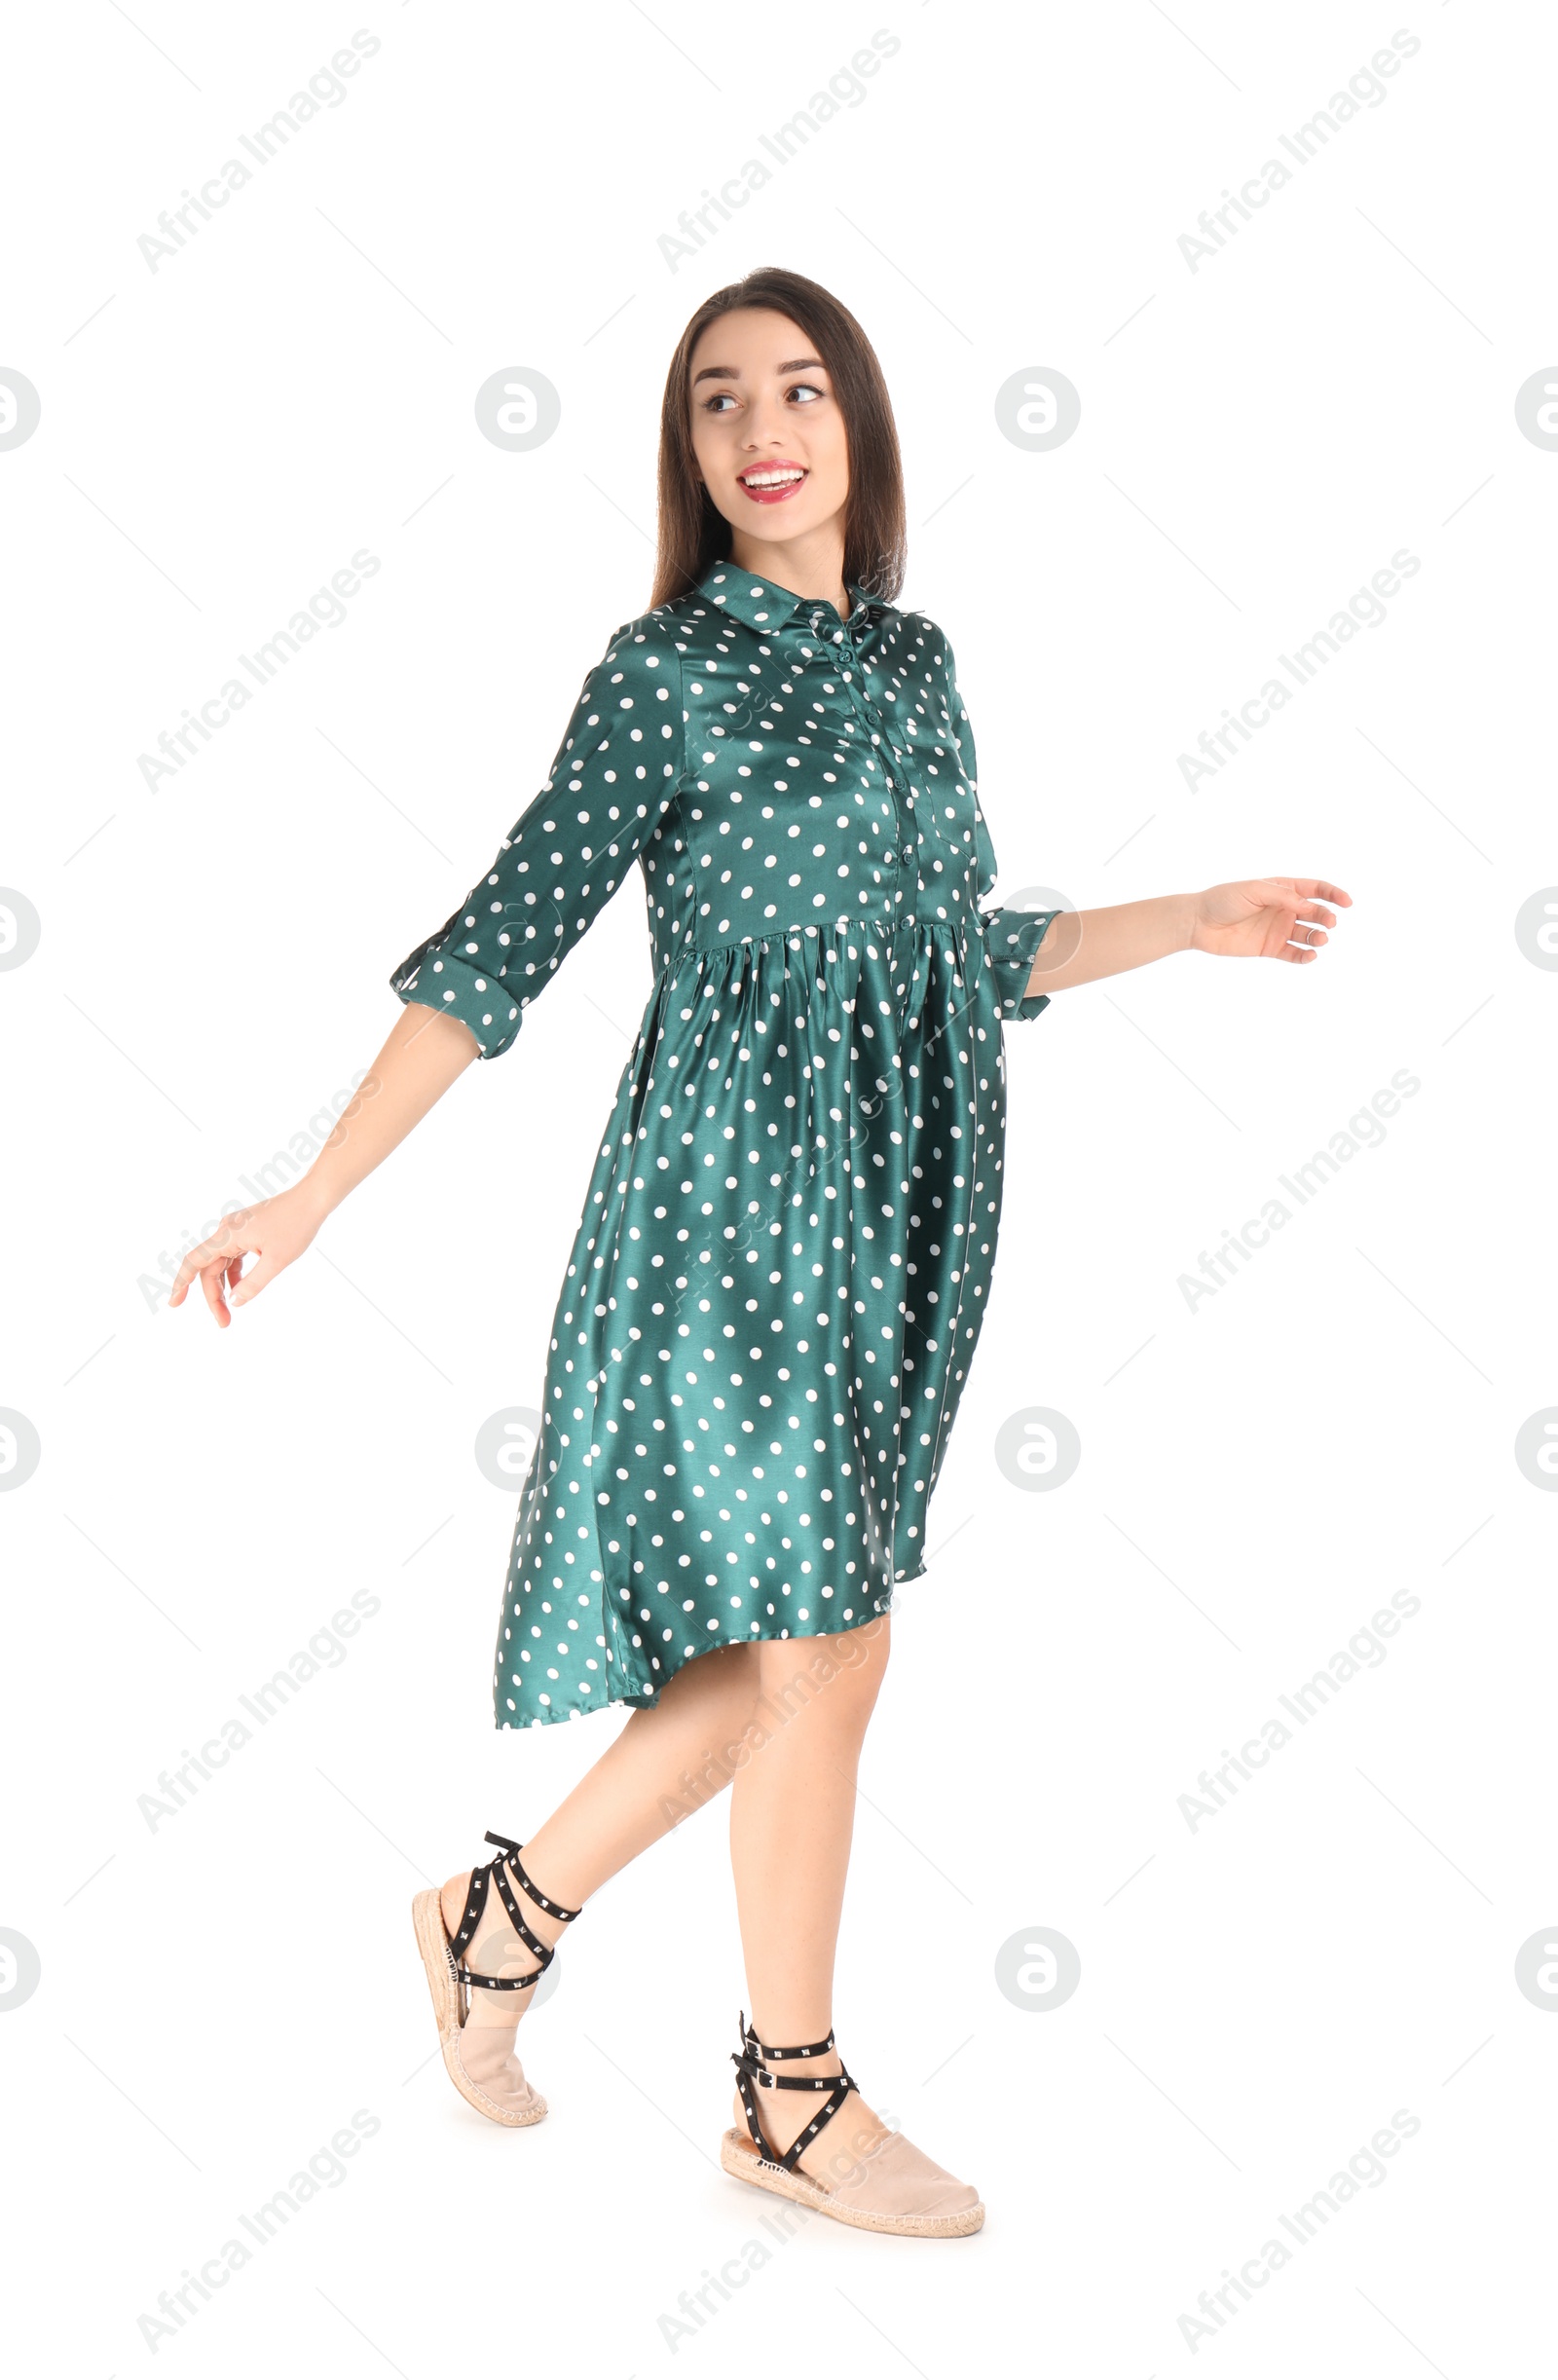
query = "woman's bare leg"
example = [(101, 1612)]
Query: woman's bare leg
[(792, 1817), (664, 1764)]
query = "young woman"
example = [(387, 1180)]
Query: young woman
[(785, 1252)]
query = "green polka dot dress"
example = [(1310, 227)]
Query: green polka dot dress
[(784, 1253)]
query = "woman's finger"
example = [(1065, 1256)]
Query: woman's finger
[(1311, 888), (254, 1281), (210, 1280), (233, 1236)]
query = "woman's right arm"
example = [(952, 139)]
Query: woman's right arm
[(425, 1051), (616, 776)]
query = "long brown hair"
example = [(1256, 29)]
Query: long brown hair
[(693, 534)]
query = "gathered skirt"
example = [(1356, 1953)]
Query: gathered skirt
[(777, 1286)]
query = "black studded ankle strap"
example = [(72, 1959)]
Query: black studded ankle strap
[(764, 2049), (511, 1852), (749, 2063), (496, 1870)]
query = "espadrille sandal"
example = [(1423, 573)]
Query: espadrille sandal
[(479, 2059), (888, 2186)]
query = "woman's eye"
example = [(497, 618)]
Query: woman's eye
[(805, 390)]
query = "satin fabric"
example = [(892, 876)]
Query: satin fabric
[(786, 1246)]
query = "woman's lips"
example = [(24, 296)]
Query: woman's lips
[(778, 489)]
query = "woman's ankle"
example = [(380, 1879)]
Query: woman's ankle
[(496, 1949), (784, 2114)]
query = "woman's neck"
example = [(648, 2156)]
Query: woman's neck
[(810, 567)]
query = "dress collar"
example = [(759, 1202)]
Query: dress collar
[(763, 604)]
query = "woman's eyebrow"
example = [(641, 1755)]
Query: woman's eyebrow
[(722, 371)]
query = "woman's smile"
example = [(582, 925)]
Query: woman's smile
[(771, 483)]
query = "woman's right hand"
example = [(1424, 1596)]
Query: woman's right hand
[(276, 1231), (426, 1049)]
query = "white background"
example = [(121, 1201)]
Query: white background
[(1260, 1994)]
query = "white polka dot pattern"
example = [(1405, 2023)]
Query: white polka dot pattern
[(781, 1268)]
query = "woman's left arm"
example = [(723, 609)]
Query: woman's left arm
[(1264, 917)]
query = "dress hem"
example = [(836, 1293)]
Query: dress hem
[(651, 1695)]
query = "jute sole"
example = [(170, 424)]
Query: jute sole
[(427, 1916), (745, 2165)]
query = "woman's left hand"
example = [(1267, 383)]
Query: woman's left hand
[(1265, 917)]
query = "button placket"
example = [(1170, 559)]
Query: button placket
[(904, 853)]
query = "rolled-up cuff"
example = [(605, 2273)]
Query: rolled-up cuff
[(1011, 939), (436, 979)]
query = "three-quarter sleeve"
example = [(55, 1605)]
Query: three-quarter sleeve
[(616, 772), (1012, 936)]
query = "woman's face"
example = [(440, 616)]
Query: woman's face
[(766, 428)]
